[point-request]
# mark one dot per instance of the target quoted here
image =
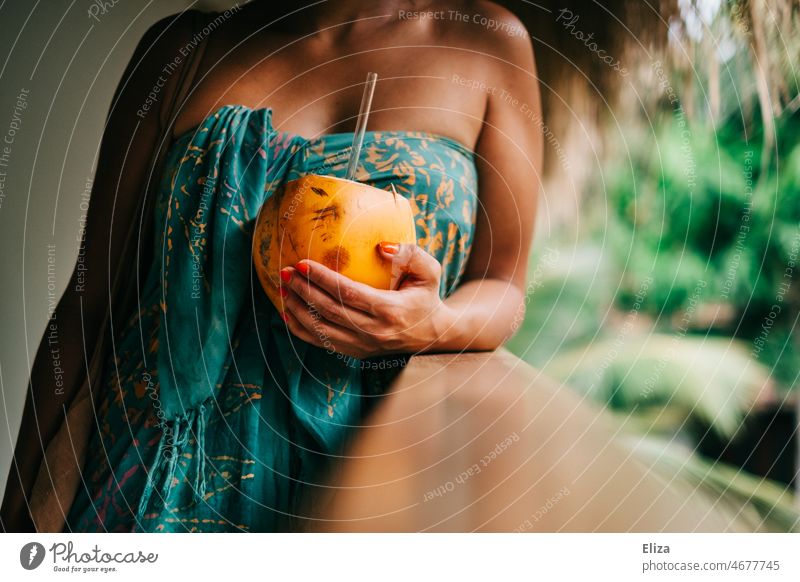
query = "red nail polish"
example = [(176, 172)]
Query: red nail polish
[(286, 276), (302, 267), (390, 248), (283, 291), (285, 317)]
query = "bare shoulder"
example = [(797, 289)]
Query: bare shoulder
[(488, 28), (158, 55), (167, 36)]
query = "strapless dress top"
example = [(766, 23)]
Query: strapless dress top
[(212, 416)]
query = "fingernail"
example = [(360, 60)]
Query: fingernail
[(283, 291), (285, 317), (286, 276), (390, 248), (302, 267)]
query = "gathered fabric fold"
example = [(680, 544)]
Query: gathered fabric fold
[(162, 473), (202, 234), (205, 232)]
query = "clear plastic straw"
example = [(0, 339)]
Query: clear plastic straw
[(361, 125)]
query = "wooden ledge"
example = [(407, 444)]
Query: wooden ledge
[(484, 442)]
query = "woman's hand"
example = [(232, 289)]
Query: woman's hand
[(329, 310)]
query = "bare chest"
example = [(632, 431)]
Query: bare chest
[(313, 92)]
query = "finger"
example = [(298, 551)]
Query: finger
[(326, 305), (326, 333), (351, 293), (318, 338), (303, 334), (411, 265), (299, 331)]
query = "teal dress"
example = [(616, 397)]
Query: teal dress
[(213, 417)]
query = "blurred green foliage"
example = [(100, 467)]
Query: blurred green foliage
[(679, 300), (694, 207)]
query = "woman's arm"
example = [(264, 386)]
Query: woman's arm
[(123, 166), (488, 306), (484, 311)]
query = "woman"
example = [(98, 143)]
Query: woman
[(218, 412)]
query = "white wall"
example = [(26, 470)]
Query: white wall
[(70, 64)]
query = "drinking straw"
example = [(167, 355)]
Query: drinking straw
[(361, 125)]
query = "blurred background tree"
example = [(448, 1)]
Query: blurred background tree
[(666, 275)]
